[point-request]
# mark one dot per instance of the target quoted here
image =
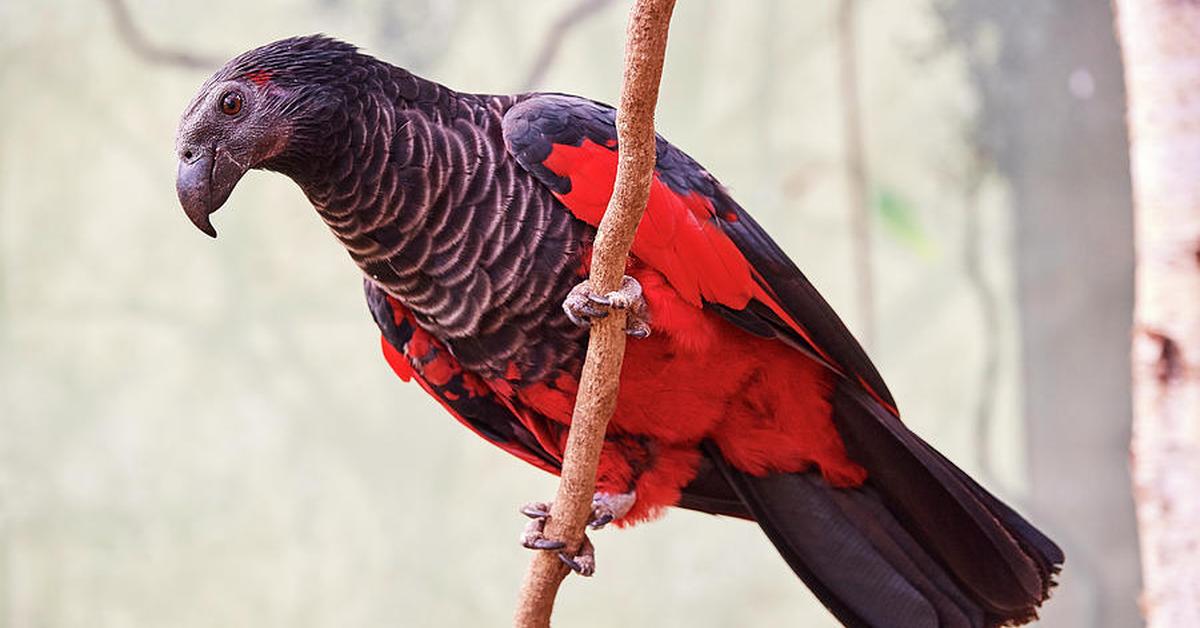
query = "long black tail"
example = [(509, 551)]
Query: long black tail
[(919, 545)]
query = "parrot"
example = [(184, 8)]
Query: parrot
[(742, 393)]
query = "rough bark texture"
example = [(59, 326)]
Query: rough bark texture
[(646, 42), (1161, 46)]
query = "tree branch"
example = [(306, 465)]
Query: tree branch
[(989, 309), (645, 46), (133, 38), (552, 43), (856, 170)]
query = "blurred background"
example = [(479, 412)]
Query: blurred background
[(198, 433)]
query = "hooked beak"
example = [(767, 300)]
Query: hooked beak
[(205, 179)]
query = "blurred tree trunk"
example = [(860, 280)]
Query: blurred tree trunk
[(1161, 45), (1051, 122)]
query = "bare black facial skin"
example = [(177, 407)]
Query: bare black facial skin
[(232, 125)]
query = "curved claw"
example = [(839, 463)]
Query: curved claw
[(592, 312), (584, 562), (600, 298), (545, 544), (575, 320), (536, 510), (601, 521), (638, 331), (570, 562), (583, 306), (531, 536), (606, 507)]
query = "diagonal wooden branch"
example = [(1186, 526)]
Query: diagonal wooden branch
[(552, 44), (136, 41), (645, 46)]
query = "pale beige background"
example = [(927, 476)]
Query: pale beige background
[(198, 433)]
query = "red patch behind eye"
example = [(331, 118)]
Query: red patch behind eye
[(258, 77)]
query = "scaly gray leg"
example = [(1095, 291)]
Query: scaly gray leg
[(582, 306), (605, 508)]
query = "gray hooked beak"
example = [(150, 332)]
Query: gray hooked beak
[(204, 181)]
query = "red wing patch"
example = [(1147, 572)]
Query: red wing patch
[(677, 235), (708, 248), (414, 353)]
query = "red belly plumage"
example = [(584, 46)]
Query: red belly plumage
[(698, 377)]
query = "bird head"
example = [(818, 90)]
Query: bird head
[(263, 109)]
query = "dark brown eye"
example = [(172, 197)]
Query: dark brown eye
[(231, 103)]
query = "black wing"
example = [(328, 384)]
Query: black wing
[(536, 125)]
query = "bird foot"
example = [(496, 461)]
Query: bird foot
[(605, 508), (583, 306)]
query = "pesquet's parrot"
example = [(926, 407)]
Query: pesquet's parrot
[(471, 217)]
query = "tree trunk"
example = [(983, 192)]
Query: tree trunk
[(1161, 45)]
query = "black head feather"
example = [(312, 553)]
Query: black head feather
[(280, 106), (309, 59)]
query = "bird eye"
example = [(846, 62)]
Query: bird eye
[(231, 103)]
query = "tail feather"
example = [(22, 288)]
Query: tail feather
[(1001, 560), (1037, 545), (953, 606), (920, 544), (863, 567)]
